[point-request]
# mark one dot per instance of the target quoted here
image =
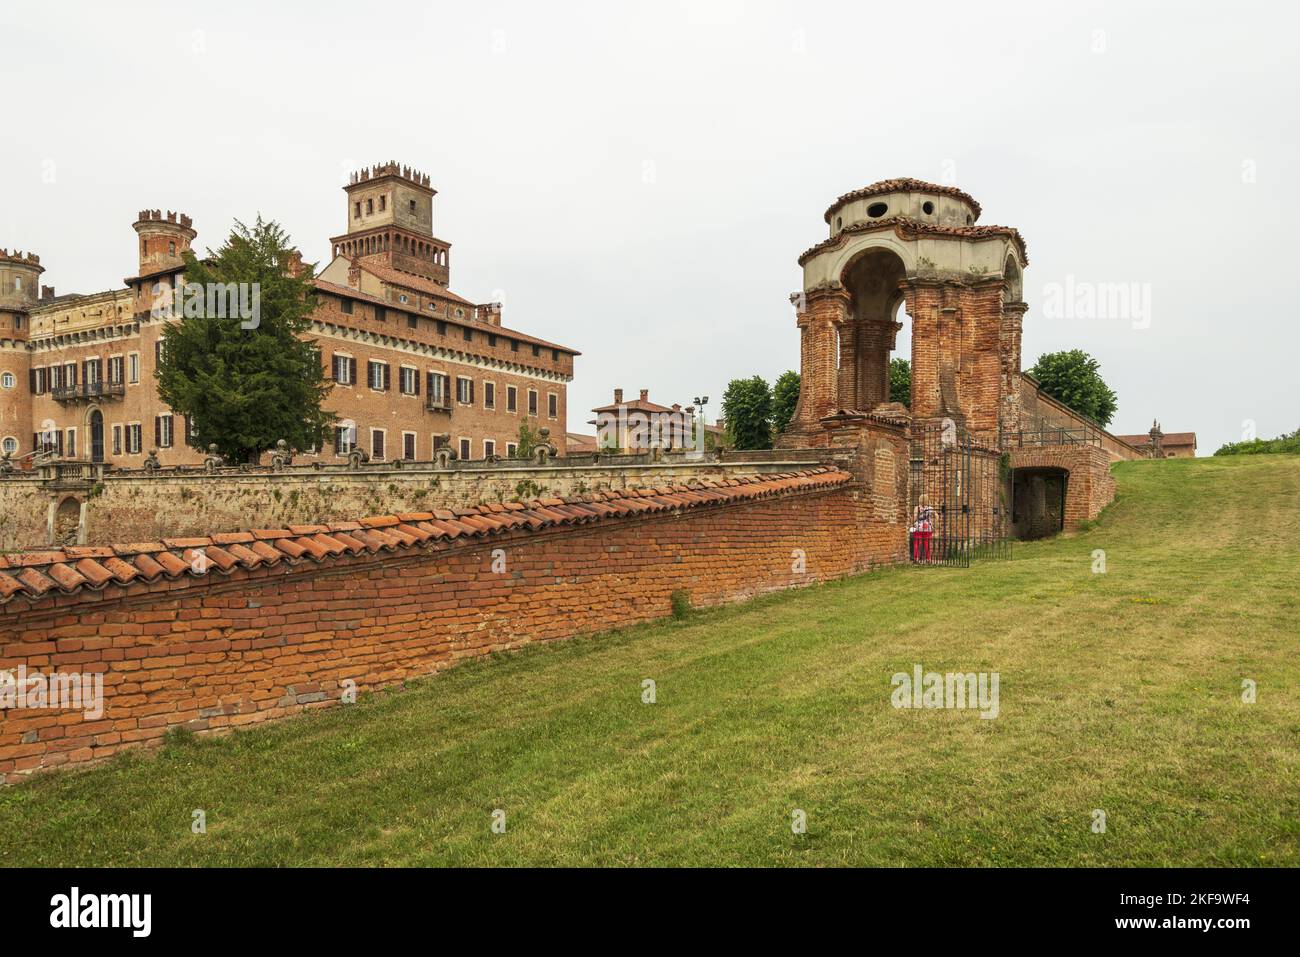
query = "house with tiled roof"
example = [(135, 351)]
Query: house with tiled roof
[(636, 425), (1164, 445)]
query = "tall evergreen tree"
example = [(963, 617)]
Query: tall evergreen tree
[(747, 410), (785, 396), (246, 383)]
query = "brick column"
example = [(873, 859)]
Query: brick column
[(850, 377), (1013, 314), (876, 340), (924, 302), (824, 314)]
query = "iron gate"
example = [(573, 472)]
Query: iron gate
[(962, 483)]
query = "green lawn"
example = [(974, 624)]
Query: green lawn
[(1119, 691)]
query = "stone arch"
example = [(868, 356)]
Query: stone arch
[(67, 523), (873, 279), (1013, 280), (835, 266)]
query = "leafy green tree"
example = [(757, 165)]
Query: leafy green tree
[(900, 381), (785, 396), (1074, 379), (747, 409), (1285, 443), (246, 381)]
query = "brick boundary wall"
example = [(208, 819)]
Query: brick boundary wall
[(135, 506), (250, 642), (1090, 486)]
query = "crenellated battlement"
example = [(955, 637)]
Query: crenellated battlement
[(390, 168), (156, 216), (17, 256)]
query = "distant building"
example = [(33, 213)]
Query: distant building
[(415, 367), (1164, 445), (637, 425), (576, 443)]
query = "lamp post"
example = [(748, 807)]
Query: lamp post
[(700, 403)]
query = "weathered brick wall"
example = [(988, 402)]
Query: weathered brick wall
[(265, 642), (138, 507), (1090, 486), (24, 507)]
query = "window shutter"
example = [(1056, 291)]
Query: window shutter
[(387, 369), (157, 431), (32, 383), (99, 370), (471, 391), (334, 367), (352, 370), (415, 379), (157, 352), (188, 433)]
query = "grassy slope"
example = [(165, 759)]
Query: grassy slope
[(1118, 691)]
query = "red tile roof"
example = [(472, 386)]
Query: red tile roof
[(395, 277), (1169, 438), (77, 569), (337, 290)]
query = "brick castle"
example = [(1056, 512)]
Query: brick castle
[(415, 366)]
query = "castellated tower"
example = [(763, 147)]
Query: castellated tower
[(163, 240), (19, 290), (390, 222)]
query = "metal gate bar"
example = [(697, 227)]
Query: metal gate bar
[(965, 487)]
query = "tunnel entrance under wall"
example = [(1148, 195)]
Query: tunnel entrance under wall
[(1038, 502)]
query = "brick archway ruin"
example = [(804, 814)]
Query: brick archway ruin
[(904, 243)]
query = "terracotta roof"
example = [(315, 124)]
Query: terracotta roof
[(395, 277), (337, 290), (904, 184), (1169, 438), (75, 570), (907, 228), (634, 405)]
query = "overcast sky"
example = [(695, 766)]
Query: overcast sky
[(638, 180)]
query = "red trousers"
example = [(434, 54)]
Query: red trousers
[(921, 546)]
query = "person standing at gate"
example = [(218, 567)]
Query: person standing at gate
[(922, 529)]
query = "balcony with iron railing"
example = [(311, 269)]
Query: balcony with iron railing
[(88, 391)]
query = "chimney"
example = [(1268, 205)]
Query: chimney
[(47, 292), (645, 395), (618, 396)]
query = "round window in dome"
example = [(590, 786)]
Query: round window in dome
[(876, 210), (928, 208)]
